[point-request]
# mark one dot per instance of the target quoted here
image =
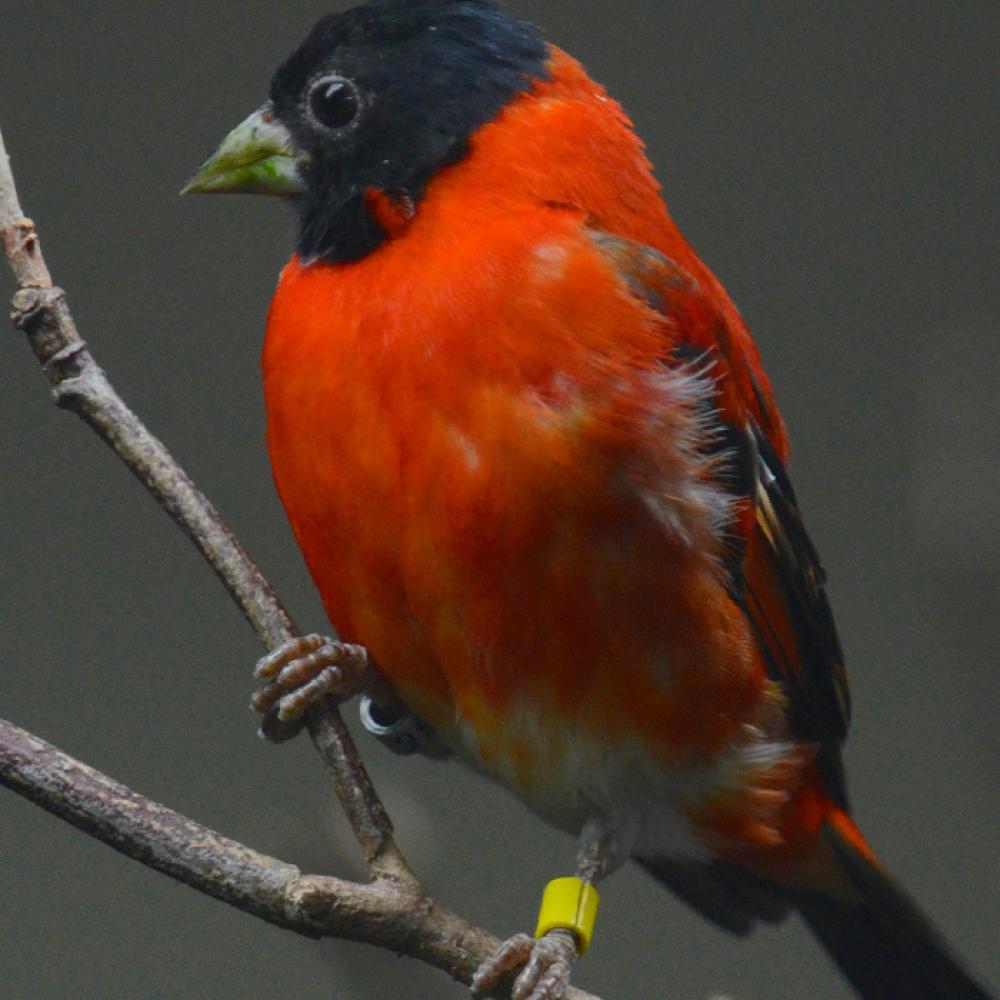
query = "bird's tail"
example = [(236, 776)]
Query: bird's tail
[(883, 943)]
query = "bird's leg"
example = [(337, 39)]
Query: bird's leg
[(307, 669), (546, 962), (303, 671)]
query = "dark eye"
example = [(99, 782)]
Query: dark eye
[(333, 102)]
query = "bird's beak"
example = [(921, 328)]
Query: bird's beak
[(257, 157)]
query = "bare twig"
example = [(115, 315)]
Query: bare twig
[(382, 913), (392, 911), (79, 384)]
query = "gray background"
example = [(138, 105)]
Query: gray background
[(829, 160)]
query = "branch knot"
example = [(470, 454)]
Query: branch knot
[(29, 304), (20, 238), (65, 359)]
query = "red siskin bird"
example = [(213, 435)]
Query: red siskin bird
[(529, 452)]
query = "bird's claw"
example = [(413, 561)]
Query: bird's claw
[(545, 963), (300, 672)]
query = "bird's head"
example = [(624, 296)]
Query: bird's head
[(375, 101)]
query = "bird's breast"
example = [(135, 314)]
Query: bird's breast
[(494, 486)]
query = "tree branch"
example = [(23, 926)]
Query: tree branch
[(392, 911), (382, 913), (79, 384)]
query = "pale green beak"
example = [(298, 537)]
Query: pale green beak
[(257, 157)]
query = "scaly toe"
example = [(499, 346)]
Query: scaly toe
[(296, 677), (552, 985), (301, 672), (547, 974), (293, 649), (511, 955), (327, 681), (545, 963)]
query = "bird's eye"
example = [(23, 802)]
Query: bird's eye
[(334, 102)]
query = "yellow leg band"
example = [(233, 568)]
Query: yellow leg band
[(569, 904)]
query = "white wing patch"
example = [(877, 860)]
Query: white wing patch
[(680, 486)]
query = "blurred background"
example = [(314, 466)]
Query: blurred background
[(831, 162)]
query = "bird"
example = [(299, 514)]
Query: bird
[(536, 469)]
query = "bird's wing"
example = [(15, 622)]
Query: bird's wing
[(772, 568)]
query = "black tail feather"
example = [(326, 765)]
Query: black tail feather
[(884, 944)]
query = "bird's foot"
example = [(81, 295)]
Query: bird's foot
[(545, 963), (301, 672)]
